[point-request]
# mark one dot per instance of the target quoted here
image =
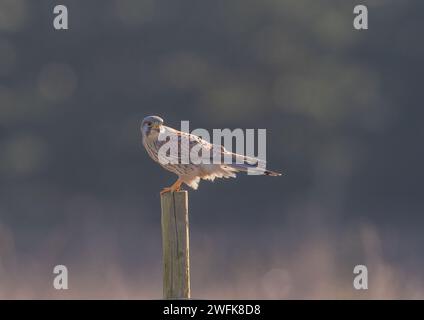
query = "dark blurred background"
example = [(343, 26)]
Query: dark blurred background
[(343, 113)]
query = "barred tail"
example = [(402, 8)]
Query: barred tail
[(272, 173), (250, 165), (254, 170)]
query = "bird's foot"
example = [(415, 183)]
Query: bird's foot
[(170, 189), (165, 190)]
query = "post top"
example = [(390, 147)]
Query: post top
[(170, 194)]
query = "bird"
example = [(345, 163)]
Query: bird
[(190, 172)]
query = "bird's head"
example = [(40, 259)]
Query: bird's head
[(151, 125)]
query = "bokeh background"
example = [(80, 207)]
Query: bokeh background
[(343, 110)]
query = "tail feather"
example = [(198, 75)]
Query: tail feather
[(251, 165), (272, 173), (252, 169)]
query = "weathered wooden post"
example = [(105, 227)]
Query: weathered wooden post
[(175, 245)]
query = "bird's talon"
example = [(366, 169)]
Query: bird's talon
[(175, 187), (165, 190)]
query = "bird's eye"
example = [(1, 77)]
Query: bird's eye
[(149, 124)]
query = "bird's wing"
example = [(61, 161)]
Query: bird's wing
[(187, 141), (184, 145), (214, 154)]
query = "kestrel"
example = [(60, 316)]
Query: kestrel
[(190, 173)]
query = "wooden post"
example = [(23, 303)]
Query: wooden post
[(175, 245)]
